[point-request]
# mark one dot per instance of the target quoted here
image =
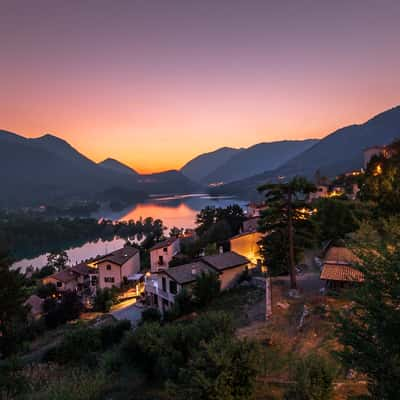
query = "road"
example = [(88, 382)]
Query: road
[(127, 310)]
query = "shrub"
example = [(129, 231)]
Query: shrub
[(113, 333), (224, 368), (104, 299), (76, 385), (151, 315), (77, 346), (314, 379), (206, 288), (160, 351)]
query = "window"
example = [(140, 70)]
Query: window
[(173, 288), (165, 249), (108, 268), (164, 284), (109, 279), (160, 260), (59, 284)]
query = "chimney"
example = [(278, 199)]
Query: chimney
[(221, 250)]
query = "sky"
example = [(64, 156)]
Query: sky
[(154, 83)]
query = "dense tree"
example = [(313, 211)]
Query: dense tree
[(232, 216), (13, 312), (382, 182), (57, 260), (370, 328), (334, 219), (288, 213)]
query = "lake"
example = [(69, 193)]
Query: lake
[(179, 211)]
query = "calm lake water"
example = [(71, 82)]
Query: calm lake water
[(179, 211)]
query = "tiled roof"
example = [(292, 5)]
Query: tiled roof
[(164, 243), (120, 256), (65, 276), (187, 273), (340, 272), (226, 260), (82, 269), (340, 255)]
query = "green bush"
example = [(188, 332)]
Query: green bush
[(314, 379), (224, 368), (104, 300), (160, 351), (151, 315), (206, 288), (113, 333), (76, 347), (76, 385)]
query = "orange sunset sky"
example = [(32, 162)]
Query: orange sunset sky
[(155, 83)]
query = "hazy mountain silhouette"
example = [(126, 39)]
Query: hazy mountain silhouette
[(117, 166), (47, 168), (204, 164), (338, 152), (258, 158)]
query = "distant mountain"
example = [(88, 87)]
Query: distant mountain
[(48, 169), (115, 165), (258, 158), (338, 152), (168, 182), (204, 164)]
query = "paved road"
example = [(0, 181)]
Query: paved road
[(130, 312)]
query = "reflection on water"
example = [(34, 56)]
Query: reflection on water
[(179, 211), (76, 254)]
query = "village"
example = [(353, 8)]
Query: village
[(136, 297)]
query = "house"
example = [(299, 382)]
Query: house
[(338, 269), (35, 304), (115, 268), (246, 244), (321, 192), (229, 265), (373, 151), (255, 209), (64, 280), (163, 286), (163, 252), (77, 279)]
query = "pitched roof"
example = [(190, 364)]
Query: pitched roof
[(340, 255), (65, 276), (226, 260), (120, 256), (340, 272), (187, 273), (164, 243), (82, 269)]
